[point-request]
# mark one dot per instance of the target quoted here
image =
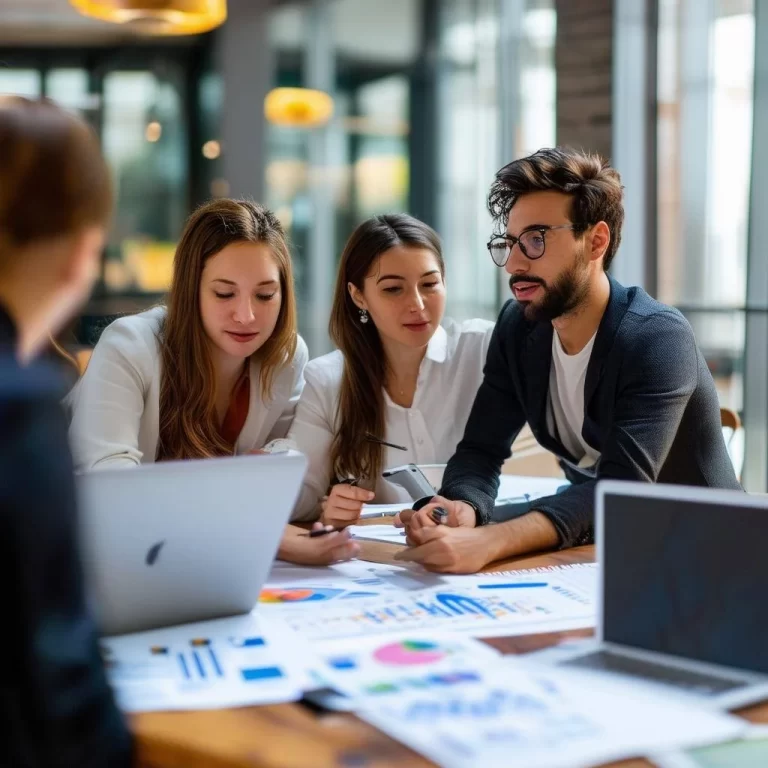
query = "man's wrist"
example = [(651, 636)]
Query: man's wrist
[(478, 516)]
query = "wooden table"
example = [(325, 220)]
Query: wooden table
[(291, 736)]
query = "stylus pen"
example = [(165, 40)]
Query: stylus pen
[(439, 515), (371, 439), (320, 532)]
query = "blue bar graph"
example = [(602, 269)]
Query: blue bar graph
[(261, 673), (184, 667), (517, 585), (215, 662), (199, 664)]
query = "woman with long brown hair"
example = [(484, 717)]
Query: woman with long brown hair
[(215, 372), (399, 375), (56, 706)]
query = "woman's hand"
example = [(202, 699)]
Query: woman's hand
[(344, 504), (297, 547)]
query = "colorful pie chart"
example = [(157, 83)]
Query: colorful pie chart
[(298, 595), (409, 653)]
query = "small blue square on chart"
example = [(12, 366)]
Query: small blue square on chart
[(261, 673)]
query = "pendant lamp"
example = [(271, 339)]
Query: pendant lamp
[(159, 17)]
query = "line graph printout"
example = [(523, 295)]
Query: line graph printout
[(524, 603), (516, 715)]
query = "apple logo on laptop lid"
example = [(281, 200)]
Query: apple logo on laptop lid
[(153, 553)]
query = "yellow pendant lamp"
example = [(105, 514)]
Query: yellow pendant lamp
[(298, 107), (159, 17)]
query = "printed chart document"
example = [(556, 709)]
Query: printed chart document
[(301, 587), (513, 715), (369, 667), (231, 662), (521, 602)]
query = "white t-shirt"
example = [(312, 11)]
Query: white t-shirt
[(449, 377), (565, 409)]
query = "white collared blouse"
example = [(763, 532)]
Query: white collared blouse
[(449, 377)]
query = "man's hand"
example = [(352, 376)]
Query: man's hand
[(460, 515), (444, 549), (297, 547), (344, 504)]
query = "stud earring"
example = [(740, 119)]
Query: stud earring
[(363, 316)]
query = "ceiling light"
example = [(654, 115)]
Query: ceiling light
[(298, 107), (159, 17)]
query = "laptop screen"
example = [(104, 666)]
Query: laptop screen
[(687, 578)]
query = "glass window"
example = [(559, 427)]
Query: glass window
[(477, 101), (144, 138), (21, 82), (705, 82), (69, 87)]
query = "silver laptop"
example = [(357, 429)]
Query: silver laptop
[(683, 591), (183, 541)]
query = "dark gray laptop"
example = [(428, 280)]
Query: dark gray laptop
[(683, 590)]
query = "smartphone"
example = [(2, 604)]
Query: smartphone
[(412, 479)]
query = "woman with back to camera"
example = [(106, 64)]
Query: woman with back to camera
[(399, 376), (56, 707), (215, 372)]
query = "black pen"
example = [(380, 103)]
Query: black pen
[(349, 481), (320, 532), (371, 439)]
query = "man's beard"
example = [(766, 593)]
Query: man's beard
[(562, 297)]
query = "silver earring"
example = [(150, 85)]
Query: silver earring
[(363, 316)]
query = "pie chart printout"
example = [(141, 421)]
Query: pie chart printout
[(409, 653)]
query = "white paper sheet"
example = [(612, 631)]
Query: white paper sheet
[(749, 751), (516, 486), (371, 511), (295, 587), (365, 667), (482, 606), (231, 662), (385, 533), (514, 715)]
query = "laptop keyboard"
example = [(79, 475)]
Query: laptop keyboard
[(692, 682)]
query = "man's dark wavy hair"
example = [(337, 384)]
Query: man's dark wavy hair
[(594, 186)]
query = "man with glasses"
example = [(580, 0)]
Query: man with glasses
[(609, 380)]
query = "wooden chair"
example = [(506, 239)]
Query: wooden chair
[(530, 459), (733, 435)]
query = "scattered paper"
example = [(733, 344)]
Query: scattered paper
[(514, 715), (514, 487), (482, 606), (295, 587), (371, 511), (750, 751), (231, 662), (385, 533), (374, 666)]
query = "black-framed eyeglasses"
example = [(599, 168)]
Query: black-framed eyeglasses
[(532, 243)]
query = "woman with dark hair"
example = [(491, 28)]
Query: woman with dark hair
[(398, 375), (56, 708)]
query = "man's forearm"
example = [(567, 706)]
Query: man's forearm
[(531, 533)]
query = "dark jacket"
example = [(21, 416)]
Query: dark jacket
[(56, 708), (651, 410)]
